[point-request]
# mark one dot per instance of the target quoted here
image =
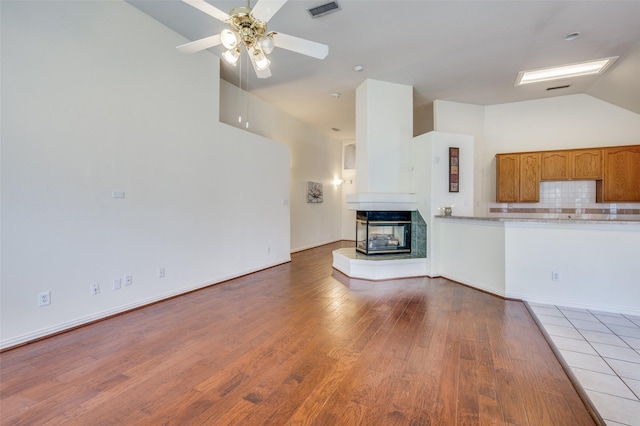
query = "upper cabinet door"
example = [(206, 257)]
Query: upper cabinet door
[(586, 164), (507, 178), (555, 165), (530, 177), (621, 180)]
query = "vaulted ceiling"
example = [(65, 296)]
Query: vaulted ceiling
[(462, 51)]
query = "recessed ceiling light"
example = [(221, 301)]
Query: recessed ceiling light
[(572, 36), (598, 66), (358, 68), (336, 95)]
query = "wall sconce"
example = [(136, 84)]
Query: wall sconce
[(337, 181)]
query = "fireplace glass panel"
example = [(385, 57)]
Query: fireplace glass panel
[(383, 232)]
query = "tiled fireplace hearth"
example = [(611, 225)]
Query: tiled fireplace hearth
[(389, 265)]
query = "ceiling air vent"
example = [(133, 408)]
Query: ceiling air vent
[(324, 9)]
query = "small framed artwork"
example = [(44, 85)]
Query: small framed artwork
[(454, 169), (314, 192)]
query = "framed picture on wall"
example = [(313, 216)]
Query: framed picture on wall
[(454, 169), (314, 192)]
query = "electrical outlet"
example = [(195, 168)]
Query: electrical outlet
[(95, 288), (117, 284), (128, 280), (44, 298), (161, 273), (555, 276)]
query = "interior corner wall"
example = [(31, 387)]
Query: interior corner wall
[(315, 157), (96, 100), (423, 120)]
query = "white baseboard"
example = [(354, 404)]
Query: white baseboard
[(297, 249), (68, 325)]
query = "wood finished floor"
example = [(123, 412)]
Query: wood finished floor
[(298, 344)]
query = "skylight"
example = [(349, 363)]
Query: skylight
[(598, 66)]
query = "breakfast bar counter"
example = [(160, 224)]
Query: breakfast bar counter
[(568, 262), (544, 220)]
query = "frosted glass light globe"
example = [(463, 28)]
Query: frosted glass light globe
[(229, 38)]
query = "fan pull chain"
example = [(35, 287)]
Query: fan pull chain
[(240, 85), (247, 93)]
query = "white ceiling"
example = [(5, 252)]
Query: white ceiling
[(462, 51)]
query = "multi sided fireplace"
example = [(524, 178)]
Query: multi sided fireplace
[(383, 232)]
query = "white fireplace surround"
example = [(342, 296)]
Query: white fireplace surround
[(382, 201)]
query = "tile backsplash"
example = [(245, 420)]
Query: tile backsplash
[(567, 200)]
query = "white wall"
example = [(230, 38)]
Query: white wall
[(430, 153), (472, 253), (348, 187), (462, 201), (384, 130), (96, 99), (314, 157), (467, 119), (598, 264), (563, 122)]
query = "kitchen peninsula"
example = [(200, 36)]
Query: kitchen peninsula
[(578, 263)]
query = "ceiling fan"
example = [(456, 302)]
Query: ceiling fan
[(248, 27)]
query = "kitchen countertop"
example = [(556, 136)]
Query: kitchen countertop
[(577, 221)]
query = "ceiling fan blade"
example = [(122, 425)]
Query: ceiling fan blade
[(208, 9), (265, 9), (300, 45), (198, 45), (265, 73)]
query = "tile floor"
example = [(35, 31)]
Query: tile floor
[(603, 351)]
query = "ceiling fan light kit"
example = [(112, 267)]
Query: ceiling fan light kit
[(230, 39), (248, 27), (232, 56), (249, 31), (259, 59)]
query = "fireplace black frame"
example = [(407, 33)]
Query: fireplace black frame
[(394, 234)]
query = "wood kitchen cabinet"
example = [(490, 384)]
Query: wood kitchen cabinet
[(555, 165), (574, 164), (530, 177), (518, 177), (616, 171), (621, 179), (586, 164), (507, 178)]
